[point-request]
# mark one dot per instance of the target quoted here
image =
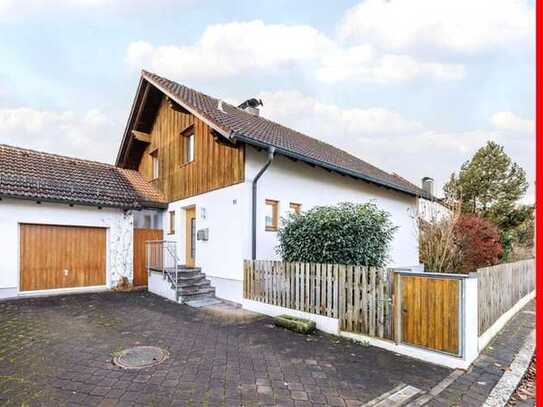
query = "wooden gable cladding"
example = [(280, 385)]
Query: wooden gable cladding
[(215, 165)]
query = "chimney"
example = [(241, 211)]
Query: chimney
[(428, 185), (251, 106)]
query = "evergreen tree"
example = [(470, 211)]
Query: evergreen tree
[(489, 185)]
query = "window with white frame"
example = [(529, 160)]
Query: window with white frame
[(188, 147)]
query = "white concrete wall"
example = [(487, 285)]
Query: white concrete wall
[(288, 181), (157, 284), (432, 211), (13, 212), (227, 288)]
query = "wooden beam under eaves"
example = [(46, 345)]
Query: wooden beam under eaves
[(141, 136), (221, 139), (176, 106)]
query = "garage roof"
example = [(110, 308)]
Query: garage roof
[(39, 176)]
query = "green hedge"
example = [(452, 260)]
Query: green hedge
[(346, 233)]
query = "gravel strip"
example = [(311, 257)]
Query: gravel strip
[(525, 392)]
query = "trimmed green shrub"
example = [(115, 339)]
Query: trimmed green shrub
[(346, 233)]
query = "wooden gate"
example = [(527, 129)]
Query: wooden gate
[(429, 312), (140, 237)]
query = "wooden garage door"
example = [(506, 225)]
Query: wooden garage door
[(61, 257)]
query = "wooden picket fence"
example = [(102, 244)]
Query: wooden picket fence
[(415, 308), (501, 287), (360, 297)]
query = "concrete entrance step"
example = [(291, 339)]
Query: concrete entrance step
[(203, 302)]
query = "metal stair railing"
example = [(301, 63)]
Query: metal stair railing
[(162, 257)]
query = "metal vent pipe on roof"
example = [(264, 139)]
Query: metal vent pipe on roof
[(428, 185)]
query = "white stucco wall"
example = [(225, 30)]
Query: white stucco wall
[(224, 213), (432, 211), (13, 212), (289, 181)]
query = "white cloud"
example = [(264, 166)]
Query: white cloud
[(364, 64), (464, 26), (236, 48), (16, 10), (233, 48), (391, 141), (510, 121), (329, 121), (90, 135)]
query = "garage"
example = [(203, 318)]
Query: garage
[(67, 225), (53, 257)]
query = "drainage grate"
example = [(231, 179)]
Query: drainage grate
[(140, 357)]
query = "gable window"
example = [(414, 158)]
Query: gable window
[(271, 215), (171, 223), (295, 207), (155, 165), (188, 146)]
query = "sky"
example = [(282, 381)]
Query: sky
[(412, 86)]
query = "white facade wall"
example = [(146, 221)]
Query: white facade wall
[(432, 211), (14, 212), (289, 181), (226, 213)]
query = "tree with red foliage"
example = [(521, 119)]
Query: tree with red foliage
[(478, 241)]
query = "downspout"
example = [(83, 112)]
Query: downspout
[(271, 152)]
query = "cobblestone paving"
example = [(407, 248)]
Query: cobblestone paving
[(58, 350), (473, 388)]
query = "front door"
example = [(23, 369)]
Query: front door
[(190, 236)]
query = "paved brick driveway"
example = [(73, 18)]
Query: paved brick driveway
[(58, 350)]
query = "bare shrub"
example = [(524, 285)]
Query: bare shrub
[(438, 250)]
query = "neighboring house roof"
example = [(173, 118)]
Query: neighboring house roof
[(237, 125), (33, 175)]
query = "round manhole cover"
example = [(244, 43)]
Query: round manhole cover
[(140, 357)]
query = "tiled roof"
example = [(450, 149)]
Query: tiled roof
[(29, 174), (145, 191), (238, 124)]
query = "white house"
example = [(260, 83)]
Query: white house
[(215, 179)]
